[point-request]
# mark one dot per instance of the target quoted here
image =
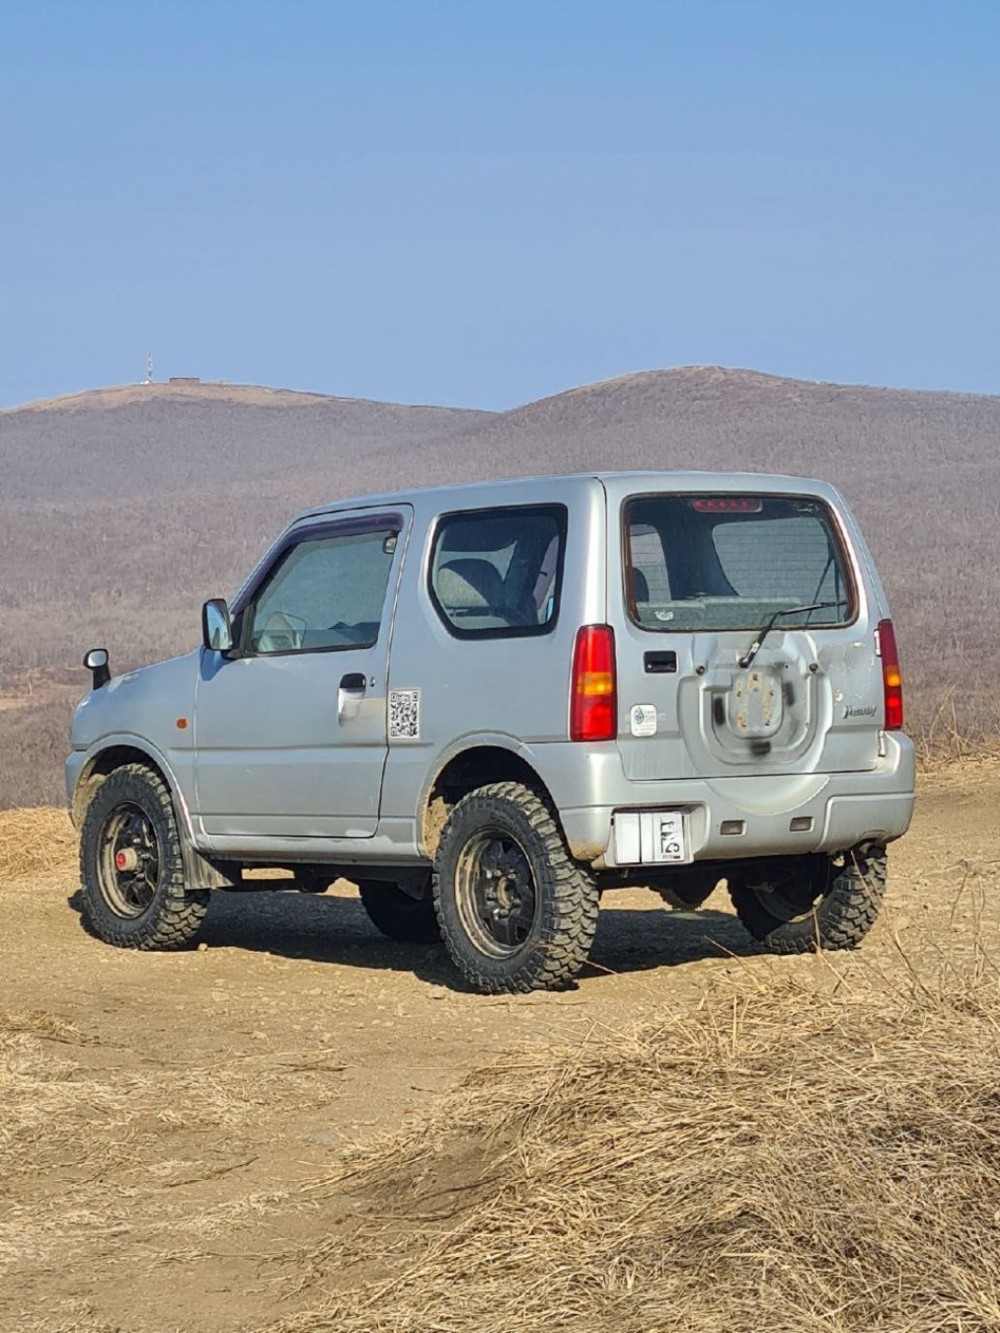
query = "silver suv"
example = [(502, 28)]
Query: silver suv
[(487, 704)]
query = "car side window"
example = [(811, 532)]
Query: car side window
[(326, 592), (496, 573)]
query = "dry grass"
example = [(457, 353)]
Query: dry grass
[(51, 1099), (38, 1023), (35, 842), (125, 1140), (951, 731), (790, 1159)]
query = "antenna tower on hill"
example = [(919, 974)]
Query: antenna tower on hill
[(149, 368)]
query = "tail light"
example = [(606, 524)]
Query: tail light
[(892, 677), (593, 699)]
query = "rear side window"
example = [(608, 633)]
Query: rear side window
[(723, 562), (496, 573)]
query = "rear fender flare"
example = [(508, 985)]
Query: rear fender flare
[(462, 745)]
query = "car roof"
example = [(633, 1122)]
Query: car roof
[(617, 483)]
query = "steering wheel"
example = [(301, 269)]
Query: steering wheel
[(282, 633)]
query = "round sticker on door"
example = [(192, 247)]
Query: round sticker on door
[(642, 720)]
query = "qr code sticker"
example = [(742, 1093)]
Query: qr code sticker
[(404, 715)]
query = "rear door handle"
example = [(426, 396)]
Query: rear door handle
[(354, 681), (658, 663)]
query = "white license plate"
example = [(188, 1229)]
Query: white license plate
[(667, 839), (651, 837)]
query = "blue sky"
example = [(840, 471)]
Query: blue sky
[(481, 203)]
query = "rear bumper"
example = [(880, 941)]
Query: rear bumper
[(772, 816)]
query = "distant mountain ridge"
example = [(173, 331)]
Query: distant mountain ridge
[(122, 508), (188, 387), (168, 437)]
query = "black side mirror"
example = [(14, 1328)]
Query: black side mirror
[(216, 626), (96, 662)]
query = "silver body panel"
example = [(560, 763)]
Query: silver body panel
[(274, 764)]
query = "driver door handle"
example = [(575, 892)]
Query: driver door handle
[(350, 695)]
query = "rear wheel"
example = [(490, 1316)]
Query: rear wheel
[(132, 865), (516, 912), (398, 914), (813, 902)]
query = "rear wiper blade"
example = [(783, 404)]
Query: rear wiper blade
[(762, 634)]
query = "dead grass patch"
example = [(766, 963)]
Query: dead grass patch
[(35, 842), (789, 1158), (41, 1024), (124, 1141)]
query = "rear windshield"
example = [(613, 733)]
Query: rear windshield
[(719, 562)]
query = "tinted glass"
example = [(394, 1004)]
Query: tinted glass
[(495, 572), (325, 593), (731, 562)]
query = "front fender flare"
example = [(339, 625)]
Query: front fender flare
[(124, 740)]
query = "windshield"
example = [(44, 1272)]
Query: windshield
[(721, 562)]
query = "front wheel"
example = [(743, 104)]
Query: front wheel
[(516, 912), (813, 903), (132, 865)]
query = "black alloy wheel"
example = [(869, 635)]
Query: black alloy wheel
[(495, 892), (129, 861)]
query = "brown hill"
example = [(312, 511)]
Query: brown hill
[(122, 509), (142, 439)]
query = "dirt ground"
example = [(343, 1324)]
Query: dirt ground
[(163, 1116)]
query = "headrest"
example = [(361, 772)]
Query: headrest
[(469, 584)]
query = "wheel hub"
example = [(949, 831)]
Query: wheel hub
[(496, 892), (504, 893), (130, 861)]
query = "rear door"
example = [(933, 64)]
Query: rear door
[(702, 579)]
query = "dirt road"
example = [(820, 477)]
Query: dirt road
[(160, 1114)]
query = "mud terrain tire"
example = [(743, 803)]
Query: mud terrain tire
[(141, 904), (833, 906), (516, 912)]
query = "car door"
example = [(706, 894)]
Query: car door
[(290, 726), (747, 642)]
